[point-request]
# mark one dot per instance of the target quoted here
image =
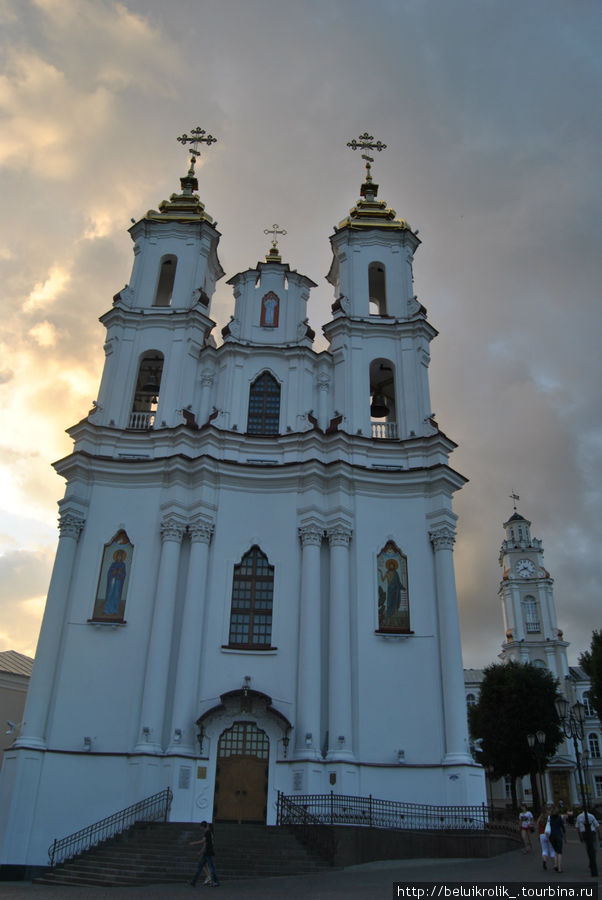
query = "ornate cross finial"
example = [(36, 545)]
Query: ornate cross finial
[(366, 142), (197, 136), (514, 497), (274, 231)]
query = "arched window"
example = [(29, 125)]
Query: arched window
[(167, 276), (146, 394), (471, 700), (383, 412), (377, 289), (594, 745), (531, 615), (264, 405), (251, 609)]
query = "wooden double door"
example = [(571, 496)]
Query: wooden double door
[(241, 781)]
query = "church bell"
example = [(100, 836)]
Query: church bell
[(378, 407)]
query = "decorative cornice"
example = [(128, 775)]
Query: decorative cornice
[(443, 538)]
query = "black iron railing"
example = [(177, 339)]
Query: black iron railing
[(340, 809), (153, 809), (310, 830)]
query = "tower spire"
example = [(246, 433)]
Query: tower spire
[(366, 142), (368, 211), (197, 136), (187, 205), (273, 254)]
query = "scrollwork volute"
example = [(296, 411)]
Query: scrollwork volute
[(70, 525), (339, 536), (172, 529), (311, 535), (443, 538), (201, 532)]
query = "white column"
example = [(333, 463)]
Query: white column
[(206, 383), (450, 648), (309, 675), (189, 657), (33, 733), (157, 663), (323, 387), (339, 663)]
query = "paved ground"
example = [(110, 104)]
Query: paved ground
[(373, 880)]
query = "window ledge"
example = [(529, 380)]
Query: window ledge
[(394, 635), (227, 648), (103, 623)]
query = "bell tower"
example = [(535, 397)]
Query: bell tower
[(379, 334), (160, 321), (526, 592)]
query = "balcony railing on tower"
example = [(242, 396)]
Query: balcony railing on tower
[(384, 430), (142, 421)]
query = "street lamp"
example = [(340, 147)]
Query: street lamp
[(572, 722), (537, 743)]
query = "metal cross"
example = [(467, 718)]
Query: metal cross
[(514, 497), (197, 136), (274, 230), (366, 142)]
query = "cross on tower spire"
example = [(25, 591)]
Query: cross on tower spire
[(273, 254), (514, 497), (366, 142), (274, 231), (197, 136)]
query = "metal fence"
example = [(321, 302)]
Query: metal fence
[(153, 809), (340, 809)]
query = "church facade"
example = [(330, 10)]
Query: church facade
[(254, 585)]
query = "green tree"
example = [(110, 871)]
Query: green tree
[(515, 700), (591, 663)]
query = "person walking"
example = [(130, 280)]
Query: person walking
[(593, 825), (556, 830), (207, 854), (525, 818), (547, 851)]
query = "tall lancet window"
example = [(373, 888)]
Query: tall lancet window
[(383, 406), (252, 595), (531, 614), (264, 405), (377, 289), (146, 393), (167, 277)]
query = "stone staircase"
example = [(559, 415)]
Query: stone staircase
[(161, 853)]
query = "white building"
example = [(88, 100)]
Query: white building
[(532, 636), (15, 672), (254, 585)]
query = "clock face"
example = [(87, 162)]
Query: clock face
[(525, 568)]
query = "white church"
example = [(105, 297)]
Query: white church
[(254, 584)]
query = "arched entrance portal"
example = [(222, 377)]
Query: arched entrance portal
[(241, 779)]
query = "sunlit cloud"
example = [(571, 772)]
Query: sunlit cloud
[(46, 292), (44, 333)]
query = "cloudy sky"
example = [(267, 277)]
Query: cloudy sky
[(492, 116)]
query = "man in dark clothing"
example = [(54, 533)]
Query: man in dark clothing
[(207, 854)]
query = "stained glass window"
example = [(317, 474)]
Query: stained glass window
[(264, 405), (252, 594)]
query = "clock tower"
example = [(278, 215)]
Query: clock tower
[(527, 596)]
